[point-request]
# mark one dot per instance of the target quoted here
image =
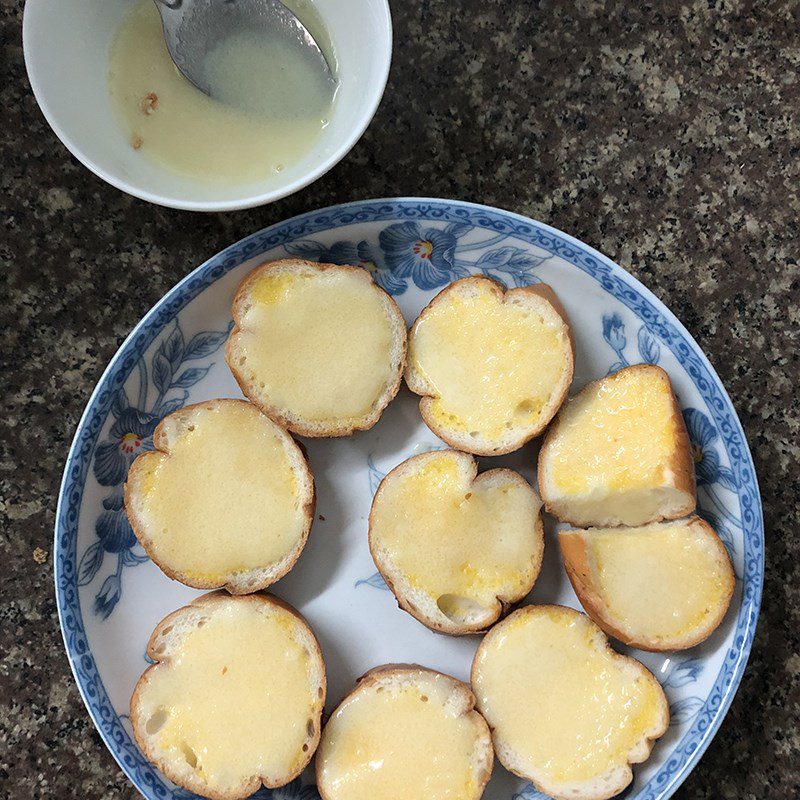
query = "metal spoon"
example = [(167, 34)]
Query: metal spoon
[(193, 27)]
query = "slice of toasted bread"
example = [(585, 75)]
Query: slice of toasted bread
[(618, 453), (664, 586), (566, 711), (456, 548), (225, 499), (235, 697), (405, 732), (492, 366), (318, 347)]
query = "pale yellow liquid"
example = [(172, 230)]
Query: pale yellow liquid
[(269, 102)]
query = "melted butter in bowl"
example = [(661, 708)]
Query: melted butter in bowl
[(267, 108)]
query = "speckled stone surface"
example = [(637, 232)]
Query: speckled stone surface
[(666, 135)]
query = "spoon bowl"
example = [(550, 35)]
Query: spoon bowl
[(192, 28)]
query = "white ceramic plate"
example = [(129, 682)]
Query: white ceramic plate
[(110, 596)]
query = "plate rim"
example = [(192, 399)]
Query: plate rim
[(747, 616)]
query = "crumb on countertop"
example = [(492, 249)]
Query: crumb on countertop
[(39, 555)]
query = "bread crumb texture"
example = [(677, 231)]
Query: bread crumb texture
[(224, 499), (455, 540), (659, 583), (318, 345)]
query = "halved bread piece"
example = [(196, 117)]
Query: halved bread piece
[(405, 732), (225, 499), (663, 586), (235, 698), (566, 711), (492, 366), (456, 548), (618, 453), (318, 347)]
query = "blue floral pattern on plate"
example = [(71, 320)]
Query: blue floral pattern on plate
[(132, 434), (409, 245), (649, 351), (430, 258)]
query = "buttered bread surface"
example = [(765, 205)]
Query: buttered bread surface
[(319, 348), (631, 412), (225, 493), (492, 366), (660, 587), (236, 696), (565, 710), (450, 545), (405, 733), (618, 453)]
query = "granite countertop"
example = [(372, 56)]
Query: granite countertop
[(666, 135)]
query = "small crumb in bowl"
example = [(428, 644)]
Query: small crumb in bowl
[(136, 141), (260, 116), (149, 103)]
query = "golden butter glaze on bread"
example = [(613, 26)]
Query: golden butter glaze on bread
[(226, 498), (234, 700), (664, 586), (320, 348), (456, 548), (566, 711), (491, 366), (405, 731), (618, 453)]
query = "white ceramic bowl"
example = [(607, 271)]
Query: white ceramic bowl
[(66, 46)]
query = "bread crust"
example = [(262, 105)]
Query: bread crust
[(680, 465), (576, 562), (639, 753), (503, 603), (244, 582), (208, 601), (374, 676), (278, 414), (418, 386)]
